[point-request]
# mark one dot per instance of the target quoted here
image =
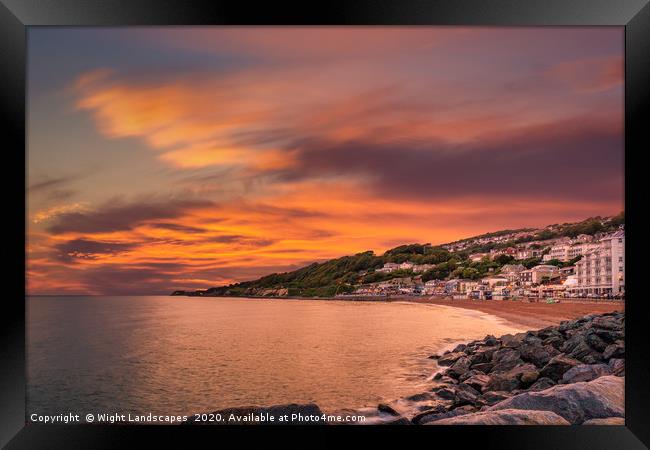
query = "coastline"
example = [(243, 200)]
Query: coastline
[(519, 313)]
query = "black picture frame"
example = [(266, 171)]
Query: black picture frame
[(17, 15)]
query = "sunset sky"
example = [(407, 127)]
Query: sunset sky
[(190, 157)]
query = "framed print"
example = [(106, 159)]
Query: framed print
[(333, 218)]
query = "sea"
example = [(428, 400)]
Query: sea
[(166, 355)]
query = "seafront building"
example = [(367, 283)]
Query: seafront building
[(602, 269), (599, 273)]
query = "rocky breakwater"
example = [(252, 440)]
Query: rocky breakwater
[(567, 374)]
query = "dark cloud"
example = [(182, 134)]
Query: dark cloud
[(48, 183), (117, 216), (177, 227), (579, 159), (88, 249), (163, 278)]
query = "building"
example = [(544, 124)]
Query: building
[(601, 271), (526, 253), (389, 267), (540, 273), (512, 271), (475, 257), (568, 250)]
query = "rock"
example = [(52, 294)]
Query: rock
[(577, 402), (508, 340), (557, 366), (483, 355), (505, 366), (616, 350), (400, 421), (541, 384), (491, 340), (554, 341), (465, 395), (609, 336), (505, 354), (511, 379), (537, 354), (429, 410), (529, 377), (450, 358), (477, 381), (238, 414), (585, 372), (446, 393), (494, 397), (435, 356), (617, 366), (459, 348), (447, 380), (607, 323), (382, 407), (504, 417), (483, 367), (594, 341), (437, 376), (420, 397), (470, 373), (425, 418), (605, 421), (505, 359), (461, 366)]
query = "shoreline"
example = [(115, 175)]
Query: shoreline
[(520, 313)]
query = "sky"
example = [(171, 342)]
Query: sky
[(189, 157)]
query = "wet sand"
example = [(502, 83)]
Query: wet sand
[(524, 313)]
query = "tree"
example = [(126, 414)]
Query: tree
[(504, 259)]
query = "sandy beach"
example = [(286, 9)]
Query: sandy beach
[(531, 315)]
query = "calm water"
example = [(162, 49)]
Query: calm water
[(178, 355)]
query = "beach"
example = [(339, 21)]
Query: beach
[(523, 313)]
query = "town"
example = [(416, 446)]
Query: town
[(587, 266)]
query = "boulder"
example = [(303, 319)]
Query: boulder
[(477, 381), (446, 393), (508, 340), (504, 417), (470, 373), (617, 366), (483, 355), (539, 355), (449, 358), (605, 421), (554, 341), (382, 407), (426, 417), (585, 372), (494, 397), (615, 350), (577, 402), (594, 341), (608, 322), (541, 384), (483, 367), (461, 366), (557, 366), (529, 377), (459, 348), (399, 421), (465, 395), (505, 354)]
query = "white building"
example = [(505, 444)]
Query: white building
[(602, 269)]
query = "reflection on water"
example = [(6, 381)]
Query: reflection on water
[(178, 355)]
